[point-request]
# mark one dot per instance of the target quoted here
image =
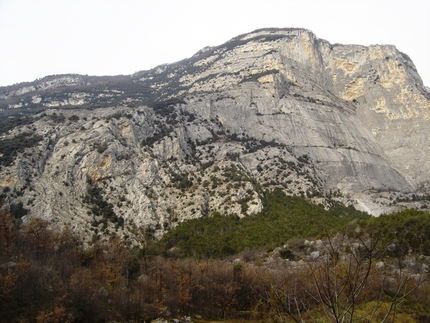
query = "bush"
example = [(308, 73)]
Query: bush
[(73, 118), (100, 207), (12, 146), (17, 210), (284, 217)]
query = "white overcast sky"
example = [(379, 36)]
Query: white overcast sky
[(110, 37)]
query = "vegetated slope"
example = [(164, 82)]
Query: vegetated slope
[(275, 108), (283, 218), (374, 270), (407, 231)]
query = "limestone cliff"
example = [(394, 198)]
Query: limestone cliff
[(272, 108)]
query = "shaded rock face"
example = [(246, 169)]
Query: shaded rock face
[(272, 108)]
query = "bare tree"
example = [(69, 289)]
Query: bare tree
[(340, 277), (353, 280)]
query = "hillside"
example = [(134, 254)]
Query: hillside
[(271, 109), (367, 270)]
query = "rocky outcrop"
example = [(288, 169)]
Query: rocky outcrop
[(272, 108)]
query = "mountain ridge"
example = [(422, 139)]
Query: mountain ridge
[(274, 108)]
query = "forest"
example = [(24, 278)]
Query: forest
[(294, 262)]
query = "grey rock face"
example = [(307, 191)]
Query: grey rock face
[(272, 108)]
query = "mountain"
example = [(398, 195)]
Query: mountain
[(274, 108)]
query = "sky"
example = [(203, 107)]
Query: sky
[(112, 37)]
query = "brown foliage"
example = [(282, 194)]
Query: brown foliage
[(58, 315), (56, 279), (38, 236), (8, 229)]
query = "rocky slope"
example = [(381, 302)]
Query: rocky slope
[(272, 108)]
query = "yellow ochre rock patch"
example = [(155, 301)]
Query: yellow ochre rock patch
[(354, 90)]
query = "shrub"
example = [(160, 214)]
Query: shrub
[(12, 146)]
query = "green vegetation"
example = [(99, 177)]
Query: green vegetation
[(166, 107), (252, 144), (407, 231), (57, 118), (358, 279), (101, 208), (17, 210), (162, 130), (181, 181), (10, 123), (10, 147), (101, 148), (255, 77), (116, 115), (284, 217), (73, 118)]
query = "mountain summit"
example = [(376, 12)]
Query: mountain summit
[(274, 108)]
